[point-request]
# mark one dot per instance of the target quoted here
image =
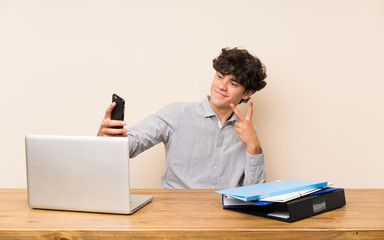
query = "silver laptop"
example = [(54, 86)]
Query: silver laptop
[(76, 173)]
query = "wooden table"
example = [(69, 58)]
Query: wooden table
[(190, 214)]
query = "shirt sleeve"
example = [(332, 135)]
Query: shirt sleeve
[(152, 130), (254, 172)]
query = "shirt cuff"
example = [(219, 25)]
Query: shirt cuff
[(254, 169), (256, 159)]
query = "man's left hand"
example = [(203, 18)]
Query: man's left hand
[(246, 130)]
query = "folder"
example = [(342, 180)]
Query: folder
[(296, 209), (264, 190)]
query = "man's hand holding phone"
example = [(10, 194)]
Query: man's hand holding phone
[(110, 127)]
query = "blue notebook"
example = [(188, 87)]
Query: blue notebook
[(263, 190)]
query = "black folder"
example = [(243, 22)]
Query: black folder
[(296, 209)]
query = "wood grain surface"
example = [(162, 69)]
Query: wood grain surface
[(190, 214)]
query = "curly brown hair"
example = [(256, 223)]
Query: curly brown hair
[(247, 69)]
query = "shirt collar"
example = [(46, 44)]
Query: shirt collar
[(208, 111)]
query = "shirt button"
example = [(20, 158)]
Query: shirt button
[(212, 186), (251, 159), (215, 167), (217, 148), (252, 173)]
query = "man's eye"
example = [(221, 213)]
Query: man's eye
[(219, 76), (234, 84)]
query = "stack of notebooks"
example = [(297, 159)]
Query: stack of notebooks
[(287, 201)]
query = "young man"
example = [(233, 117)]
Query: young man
[(208, 144)]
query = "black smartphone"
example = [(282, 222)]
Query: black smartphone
[(118, 111)]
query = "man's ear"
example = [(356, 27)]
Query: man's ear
[(248, 94)]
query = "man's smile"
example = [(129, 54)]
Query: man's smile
[(221, 94)]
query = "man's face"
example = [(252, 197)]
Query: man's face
[(226, 90)]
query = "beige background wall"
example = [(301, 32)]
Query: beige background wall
[(320, 117)]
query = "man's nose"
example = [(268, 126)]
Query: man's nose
[(222, 85)]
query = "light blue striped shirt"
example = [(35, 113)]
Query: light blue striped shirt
[(200, 153)]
